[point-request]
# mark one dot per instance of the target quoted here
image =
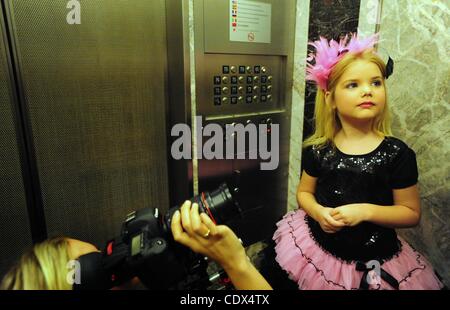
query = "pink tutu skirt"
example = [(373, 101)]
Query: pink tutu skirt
[(313, 268)]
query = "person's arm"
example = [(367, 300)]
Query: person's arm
[(307, 201), (245, 276), (404, 213), (219, 243)]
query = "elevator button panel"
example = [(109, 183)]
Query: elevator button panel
[(235, 84), (257, 85)]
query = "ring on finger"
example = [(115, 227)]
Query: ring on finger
[(206, 235)]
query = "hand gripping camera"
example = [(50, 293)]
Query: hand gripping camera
[(145, 248)]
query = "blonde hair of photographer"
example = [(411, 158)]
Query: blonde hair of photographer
[(41, 268), (327, 123), (44, 266)]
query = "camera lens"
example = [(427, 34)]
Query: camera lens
[(218, 204)]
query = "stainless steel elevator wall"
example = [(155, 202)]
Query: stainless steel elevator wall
[(15, 229), (96, 93)]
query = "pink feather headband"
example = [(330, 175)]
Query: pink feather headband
[(328, 54)]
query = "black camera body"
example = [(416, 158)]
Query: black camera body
[(145, 248)]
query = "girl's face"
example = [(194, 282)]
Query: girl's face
[(360, 94)]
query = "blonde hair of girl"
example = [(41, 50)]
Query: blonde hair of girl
[(326, 120), (44, 267)]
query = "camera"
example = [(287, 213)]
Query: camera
[(145, 248)]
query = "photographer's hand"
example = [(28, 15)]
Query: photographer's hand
[(199, 233), (219, 243)]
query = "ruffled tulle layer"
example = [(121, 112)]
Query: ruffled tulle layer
[(313, 268)]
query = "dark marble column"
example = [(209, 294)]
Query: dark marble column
[(330, 19)]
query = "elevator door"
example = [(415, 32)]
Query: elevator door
[(14, 226), (96, 98)]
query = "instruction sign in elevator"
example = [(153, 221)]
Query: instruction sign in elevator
[(250, 21)]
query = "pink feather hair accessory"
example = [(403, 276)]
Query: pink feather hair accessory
[(329, 53)]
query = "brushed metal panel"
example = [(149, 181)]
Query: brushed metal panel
[(267, 194), (178, 57), (263, 193)]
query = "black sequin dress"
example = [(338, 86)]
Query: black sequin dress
[(319, 260)]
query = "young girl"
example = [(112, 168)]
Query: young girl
[(358, 183)]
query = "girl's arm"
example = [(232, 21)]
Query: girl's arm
[(404, 213), (305, 195), (307, 201)]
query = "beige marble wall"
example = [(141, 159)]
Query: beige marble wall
[(298, 100), (416, 34), (369, 17)]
